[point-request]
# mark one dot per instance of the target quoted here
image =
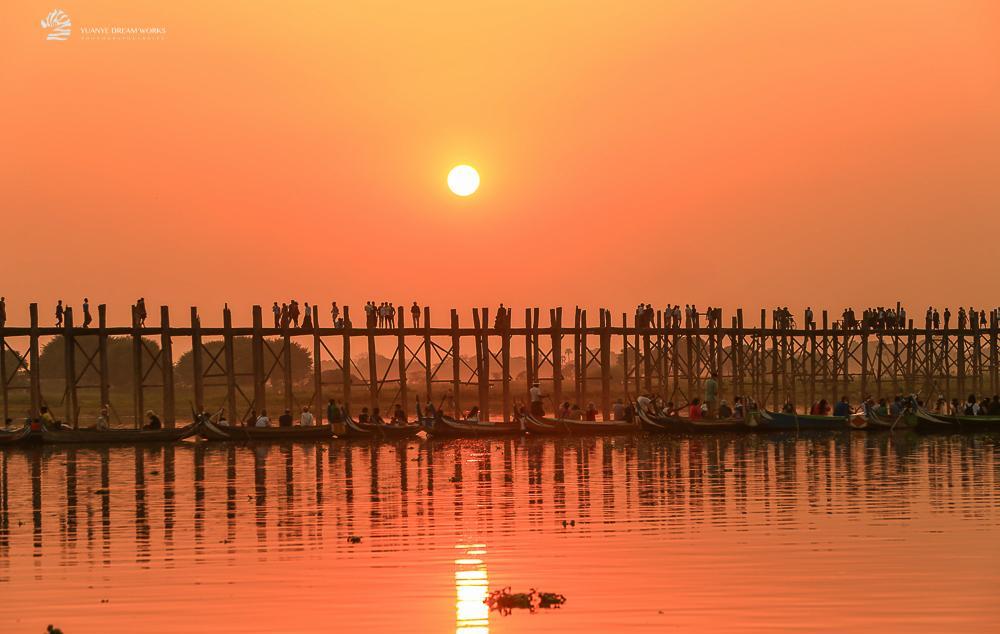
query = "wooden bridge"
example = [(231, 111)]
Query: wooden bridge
[(606, 360)]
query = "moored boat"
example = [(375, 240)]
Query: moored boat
[(679, 425), (584, 427), (446, 427), (876, 422), (354, 429), (110, 436), (14, 436), (211, 431), (941, 423), (781, 421)]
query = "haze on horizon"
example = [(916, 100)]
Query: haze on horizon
[(727, 154)]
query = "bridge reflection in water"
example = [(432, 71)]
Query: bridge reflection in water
[(263, 532)]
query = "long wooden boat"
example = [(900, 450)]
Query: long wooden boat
[(110, 436), (446, 427), (679, 425), (354, 429), (14, 436), (874, 422), (210, 431), (582, 427), (780, 421), (940, 423)]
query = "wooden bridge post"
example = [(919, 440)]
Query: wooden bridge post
[(483, 358), (505, 358), (605, 363), (167, 368), (317, 367), (577, 356), (428, 373), (346, 358), (585, 362), (718, 335), (741, 361), (960, 361), (536, 356), (529, 367), (69, 349), (647, 365), (197, 361), (137, 378), (661, 363), (911, 355), (102, 354), (825, 356), (401, 357), (994, 384), (811, 387), (456, 364), (3, 375), (555, 321), (34, 368), (230, 356), (257, 344), (373, 380), (864, 361), (286, 369)]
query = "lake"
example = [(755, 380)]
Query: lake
[(643, 533)]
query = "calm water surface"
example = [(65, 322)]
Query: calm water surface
[(824, 533)]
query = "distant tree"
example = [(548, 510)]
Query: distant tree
[(243, 361), (52, 362)]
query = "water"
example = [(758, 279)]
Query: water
[(819, 533)]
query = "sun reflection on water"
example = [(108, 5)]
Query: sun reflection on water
[(472, 616)]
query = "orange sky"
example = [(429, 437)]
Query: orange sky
[(724, 153)]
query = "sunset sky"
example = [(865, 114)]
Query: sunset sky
[(723, 153)]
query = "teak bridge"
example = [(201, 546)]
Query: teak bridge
[(606, 361)]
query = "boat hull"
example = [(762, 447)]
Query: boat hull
[(110, 436), (935, 423), (211, 431), (678, 425), (367, 431), (451, 428)]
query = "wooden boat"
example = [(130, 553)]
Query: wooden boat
[(780, 421), (210, 431), (446, 427), (584, 427), (679, 425), (538, 427), (874, 422), (940, 423), (110, 436), (14, 436), (354, 429)]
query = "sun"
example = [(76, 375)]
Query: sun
[(463, 180)]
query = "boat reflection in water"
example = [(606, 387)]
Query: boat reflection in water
[(472, 616)]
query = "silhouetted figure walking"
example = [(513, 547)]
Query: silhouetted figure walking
[(3, 311), (59, 314), (307, 318), (87, 319), (293, 313), (276, 310), (140, 310), (415, 314)]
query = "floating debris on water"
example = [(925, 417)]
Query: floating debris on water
[(505, 601), (354, 539), (569, 523)]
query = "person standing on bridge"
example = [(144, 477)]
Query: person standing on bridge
[(307, 318), (276, 310), (415, 315), (59, 314), (140, 311), (3, 311), (283, 316), (334, 313), (293, 313), (87, 319)]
